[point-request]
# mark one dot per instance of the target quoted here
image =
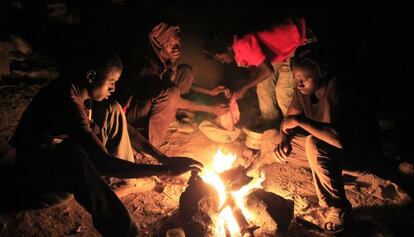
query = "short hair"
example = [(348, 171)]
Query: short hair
[(311, 57), (81, 62), (217, 43), (101, 62)]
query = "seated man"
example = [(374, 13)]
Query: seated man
[(61, 152), (322, 131), (152, 90), (267, 54)]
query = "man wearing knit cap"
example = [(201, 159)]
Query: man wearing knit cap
[(152, 93)]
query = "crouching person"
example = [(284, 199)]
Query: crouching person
[(62, 152), (328, 131)]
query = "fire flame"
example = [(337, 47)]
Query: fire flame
[(210, 174)]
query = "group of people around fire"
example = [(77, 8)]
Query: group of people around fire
[(78, 136)]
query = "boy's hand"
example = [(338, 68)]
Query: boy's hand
[(289, 123), (217, 90), (180, 165), (181, 161), (282, 151), (239, 94)]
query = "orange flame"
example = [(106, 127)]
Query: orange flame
[(210, 174)]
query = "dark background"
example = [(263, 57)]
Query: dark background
[(369, 46)]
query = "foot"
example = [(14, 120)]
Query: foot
[(182, 126), (134, 186), (185, 115), (337, 220)]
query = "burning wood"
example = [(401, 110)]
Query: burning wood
[(235, 178), (246, 229), (198, 204), (274, 212), (223, 201), (233, 185)]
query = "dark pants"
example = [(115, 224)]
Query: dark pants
[(58, 170), (68, 169), (325, 161), (156, 110)]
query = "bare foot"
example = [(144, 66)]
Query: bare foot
[(135, 186)]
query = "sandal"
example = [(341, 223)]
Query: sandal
[(337, 220)]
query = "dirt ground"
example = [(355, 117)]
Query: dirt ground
[(381, 208)]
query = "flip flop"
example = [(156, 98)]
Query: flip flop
[(338, 217)]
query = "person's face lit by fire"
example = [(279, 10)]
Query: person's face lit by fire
[(101, 86), (171, 49), (226, 57), (307, 78)]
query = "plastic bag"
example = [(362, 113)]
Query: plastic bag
[(229, 119)]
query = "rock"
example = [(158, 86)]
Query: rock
[(198, 205), (235, 178), (406, 169), (269, 141), (273, 213)]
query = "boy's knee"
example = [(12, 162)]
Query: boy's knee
[(321, 154), (311, 142), (311, 149)]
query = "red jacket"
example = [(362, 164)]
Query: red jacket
[(275, 44)]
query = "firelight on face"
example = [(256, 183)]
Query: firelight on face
[(305, 80), (104, 87)]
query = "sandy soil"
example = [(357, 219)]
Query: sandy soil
[(381, 207)]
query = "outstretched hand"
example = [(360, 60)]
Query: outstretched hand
[(219, 89), (180, 160), (239, 94), (181, 169), (180, 165)]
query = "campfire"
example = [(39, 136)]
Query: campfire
[(223, 201), (232, 185)]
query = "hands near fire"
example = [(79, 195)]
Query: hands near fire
[(220, 89), (289, 122), (239, 94), (180, 165), (284, 148), (282, 151)]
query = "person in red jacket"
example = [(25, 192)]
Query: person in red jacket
[(267, 54)]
